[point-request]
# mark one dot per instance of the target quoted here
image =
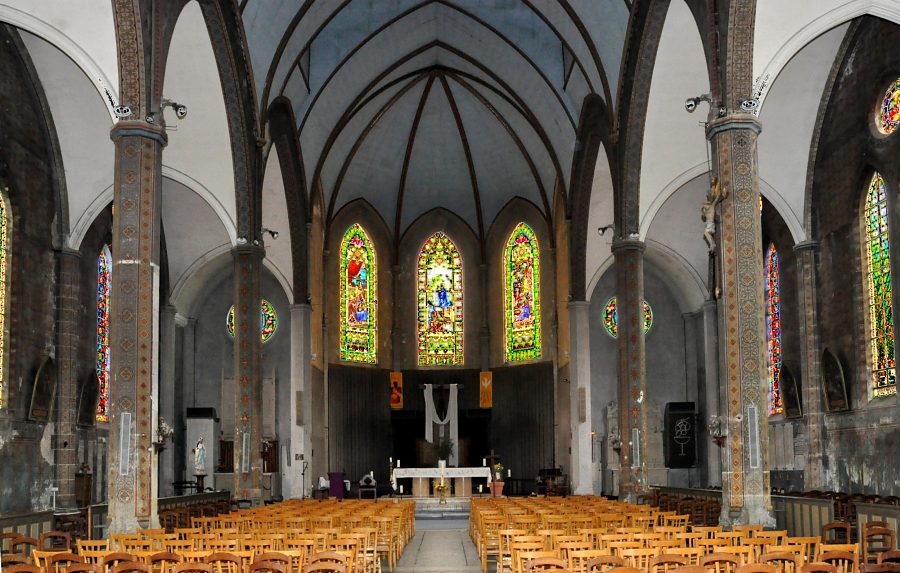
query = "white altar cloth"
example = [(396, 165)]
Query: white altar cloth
[(482, 471)]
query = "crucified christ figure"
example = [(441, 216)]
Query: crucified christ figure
[(708, 212)]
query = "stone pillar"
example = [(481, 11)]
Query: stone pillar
[(580, 371), (745, 477), (67, 306), (188, 396), (711, 388), (167, 397), (810, 367), (484, 333), (134, 315), (632, 378), (248, 372), (296, 483)]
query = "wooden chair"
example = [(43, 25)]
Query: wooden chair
[(163, 561), (83, 568), (55, 541), (624, 570), (22, 544), (844, 561), (112, 560), (638, 558), (747, 530), (810, 546), (889, 557), (692, 554), (876, 540), (836, 532), (665, 563), (743, 552), (192, 567), (130, 567), (325, 567), (5, 538), (223, 562), (332, 558), (603, 564), (783, 561), (15, 559), (720, 562), (578, 559), (755, 568), (816, 567), (881, 568), (689, 569), (91, 545), (22, 568), (269, 567), (545, 564), (58, 561)]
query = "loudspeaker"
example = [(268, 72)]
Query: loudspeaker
[(680, 435)]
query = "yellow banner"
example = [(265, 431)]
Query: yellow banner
[(486, 390), (396, 390)]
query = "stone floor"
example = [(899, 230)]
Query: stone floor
[(439, 551)]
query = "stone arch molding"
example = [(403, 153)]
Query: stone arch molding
[(101, 82)]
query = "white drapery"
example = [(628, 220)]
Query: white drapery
[(451, 418)]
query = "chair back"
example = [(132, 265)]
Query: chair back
[(55, 540), (720, 562), (889, 556), (269, 567), (22, 568), (58, 561), (844, 561), (83, 568), (192, 567), (836, 532), (783, 561), (665, 563), (755, 568), (877, 540)]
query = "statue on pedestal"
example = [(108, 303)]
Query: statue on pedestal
[(200, 458)]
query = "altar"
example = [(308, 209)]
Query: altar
[(462, 478)]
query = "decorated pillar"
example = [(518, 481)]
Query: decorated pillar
[(745, 476), (297, 480), (632, 379), (68, 335), (166, 457), (247, 371), (810, 364), (582, 477), (134, 312)]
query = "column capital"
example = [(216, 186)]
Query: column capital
[(733, 121), (631, 244), (139, 129), (807, 246), (248, 249)]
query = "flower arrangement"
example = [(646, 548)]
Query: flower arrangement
[(163, 430), (498, 471), (441, 486), (715, 429)]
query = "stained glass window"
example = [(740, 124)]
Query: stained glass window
[(4, 278), (773, 330), (359, 297), (104, 283), (889, 110), (611, 317), (522, 300), (268, 320), (439, 288), (878, 290)]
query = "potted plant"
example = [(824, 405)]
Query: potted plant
[(443, 449), (163, 432), (716, 430), (497, 480)]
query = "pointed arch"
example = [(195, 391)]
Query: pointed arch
[(773, 330), (359, 297), (439, 288), (878, 289), (522, 295), (104, 283), (5, 256)]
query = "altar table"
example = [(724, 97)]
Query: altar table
[(462, 478)]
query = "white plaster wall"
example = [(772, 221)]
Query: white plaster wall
[(275, 217), (199, 146)]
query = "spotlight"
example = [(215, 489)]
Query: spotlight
[(273, 234), (602, 230), (690, 104)]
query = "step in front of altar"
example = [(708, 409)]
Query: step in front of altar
[(430, 508)]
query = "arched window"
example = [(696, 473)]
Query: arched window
[(440, 302), (611, 317), (268, 321), (878, 289), (359, 297), (104, 274), (773, 330), (522, 299), (4, 292)]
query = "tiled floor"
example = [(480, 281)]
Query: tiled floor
[(439, 551)]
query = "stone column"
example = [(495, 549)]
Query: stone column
[(711, 389), (248, 372), (810, 364), (632, 388), (484, 333), (745, 477), (68, 334), (580, 371), (295, 483), (188, 396), (134, 306), (167, 397)]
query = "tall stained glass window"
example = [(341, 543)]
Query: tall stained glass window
[(773, 330), (878, 289), (439, 288), (359, 297), (522, 300), (104, 275), (4, 284)]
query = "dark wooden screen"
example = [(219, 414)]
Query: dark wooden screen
[(359, 421)]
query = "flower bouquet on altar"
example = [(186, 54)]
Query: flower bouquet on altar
[(441, 487)]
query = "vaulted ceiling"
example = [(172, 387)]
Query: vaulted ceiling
[(412, 104)]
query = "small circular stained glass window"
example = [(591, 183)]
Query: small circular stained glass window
[(889, 110), (610, 317), (268, 320)]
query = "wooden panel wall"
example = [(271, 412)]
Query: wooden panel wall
[(522, 418), (359, 422)]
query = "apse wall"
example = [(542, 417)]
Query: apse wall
[(668, 379)]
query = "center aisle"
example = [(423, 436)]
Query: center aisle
[(439, 551)]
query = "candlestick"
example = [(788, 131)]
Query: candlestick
[(401, 489), (372, 474), (484, 462), (509, 473), (479, 488), (398, 462)]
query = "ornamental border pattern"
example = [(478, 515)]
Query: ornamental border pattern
[(131, 55)]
